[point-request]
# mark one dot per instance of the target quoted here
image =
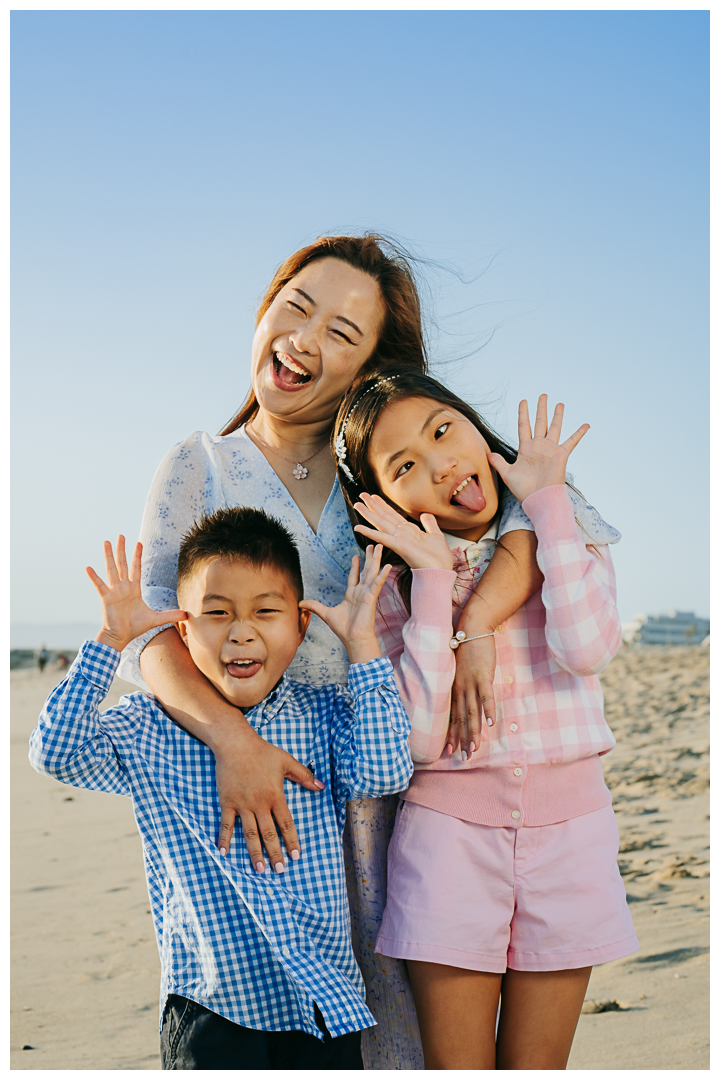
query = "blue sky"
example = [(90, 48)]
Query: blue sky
[(165, 162)]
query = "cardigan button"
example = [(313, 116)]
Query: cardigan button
[(515, 814), (518, 772)]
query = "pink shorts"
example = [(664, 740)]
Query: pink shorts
[(533, 899)]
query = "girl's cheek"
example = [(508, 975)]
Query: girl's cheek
[(406, 511), (399, 507)]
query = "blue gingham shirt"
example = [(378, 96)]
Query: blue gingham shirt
[(258, 949)]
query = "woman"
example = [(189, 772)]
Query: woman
[(339, 308)]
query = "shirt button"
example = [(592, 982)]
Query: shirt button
[(515, 814), (500, 629), (518, 772), (285, 950), (508, 679), (513, 727)]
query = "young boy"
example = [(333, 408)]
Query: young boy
[(257, 969)]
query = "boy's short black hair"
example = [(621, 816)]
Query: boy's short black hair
[(241, 532)]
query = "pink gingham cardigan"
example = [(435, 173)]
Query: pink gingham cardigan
[(539, 763)]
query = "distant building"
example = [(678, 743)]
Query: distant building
[(674, 628)]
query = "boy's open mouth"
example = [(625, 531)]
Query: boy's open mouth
[(469, 495), (289, 371), (243, 669)]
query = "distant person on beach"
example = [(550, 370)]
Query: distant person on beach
[(503, 882), (258, 970), (42, 659), (338, 309)]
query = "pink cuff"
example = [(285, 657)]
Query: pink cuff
[(551, 512), (431, 597)]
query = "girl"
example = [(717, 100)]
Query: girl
[(502, 872)]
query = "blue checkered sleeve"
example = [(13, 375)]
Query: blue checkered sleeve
[(371, 755), (259, 951), (70, 741)]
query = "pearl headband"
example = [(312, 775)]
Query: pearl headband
[(340, 447)]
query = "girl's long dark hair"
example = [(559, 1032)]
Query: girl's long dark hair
[(362, 406)]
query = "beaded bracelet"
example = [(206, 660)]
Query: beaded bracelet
[(460, 638)]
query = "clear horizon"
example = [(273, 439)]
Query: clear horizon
[(558, 160)]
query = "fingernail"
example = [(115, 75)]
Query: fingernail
[(260, 867), (449, 748), (490, 721), (319, 785), (472, 748), (279, 868), (294, 854), (223, 851), (464, 756)]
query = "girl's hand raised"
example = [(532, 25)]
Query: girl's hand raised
[(420, 549), (125, 615), (542, 458)]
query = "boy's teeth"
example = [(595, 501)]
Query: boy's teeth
[(460, 487)]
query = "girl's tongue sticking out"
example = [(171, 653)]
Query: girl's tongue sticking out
[(470, 495)]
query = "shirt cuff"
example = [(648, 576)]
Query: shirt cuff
[(97, 664), (370, 675), (431, 597), (551, 512)]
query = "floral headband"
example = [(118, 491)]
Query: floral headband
[(340, 448)]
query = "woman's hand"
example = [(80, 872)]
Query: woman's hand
[(353, 619), (541, 462), (125, 615), (420, 549), (472, 693), (249, 773), (511, 578)]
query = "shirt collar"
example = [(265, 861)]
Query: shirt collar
[(270, 706), (457, 541)]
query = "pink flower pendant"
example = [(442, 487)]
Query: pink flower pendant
[(300, 472)]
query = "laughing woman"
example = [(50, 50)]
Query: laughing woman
[(341, 307)]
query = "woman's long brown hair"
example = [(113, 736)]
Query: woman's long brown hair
[(401, 339)]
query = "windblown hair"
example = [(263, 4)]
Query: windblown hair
[(243, 533), (365, 401), (401, 339)]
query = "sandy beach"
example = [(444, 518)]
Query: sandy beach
[(85, 969)]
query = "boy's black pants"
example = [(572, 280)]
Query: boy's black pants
[(193, 1037)]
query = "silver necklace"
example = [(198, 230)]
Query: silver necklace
[(299, 472)]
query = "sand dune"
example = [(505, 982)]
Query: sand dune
[(84, 961)]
